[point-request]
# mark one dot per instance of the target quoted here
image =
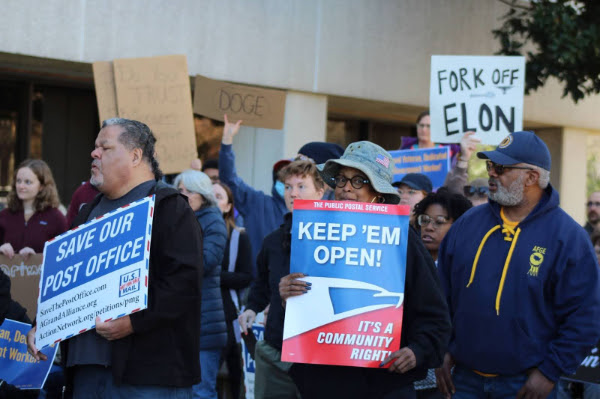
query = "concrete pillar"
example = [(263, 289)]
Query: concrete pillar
[(573, 173), (257, 149), (305, 121)]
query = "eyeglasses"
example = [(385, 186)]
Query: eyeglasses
[(423, 125), (356, 182), (471, 191), (500, 169), (593, 203), (438, 221)]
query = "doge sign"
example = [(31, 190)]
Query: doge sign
[(96, 269)]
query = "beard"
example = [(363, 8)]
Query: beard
[(97, 179), (511, 196)]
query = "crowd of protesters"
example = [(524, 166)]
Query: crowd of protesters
[(502, 292)]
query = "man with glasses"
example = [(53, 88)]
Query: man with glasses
[(521, 281), (593, 213)]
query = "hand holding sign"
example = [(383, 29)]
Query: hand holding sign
[(26, 252), (291, 286), (230, 130), (246, 320), (31, 348), (7, 250), (467, 145), (403, 361), (114, 329)]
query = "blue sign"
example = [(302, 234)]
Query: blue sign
[(98, 269), (432, 162), (354, 256), (17, 366)]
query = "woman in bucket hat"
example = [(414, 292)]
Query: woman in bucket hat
[(364, 174)]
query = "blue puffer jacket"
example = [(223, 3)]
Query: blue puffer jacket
[(213, 330)]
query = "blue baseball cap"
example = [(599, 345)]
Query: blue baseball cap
[(417, 181), (520, 147)]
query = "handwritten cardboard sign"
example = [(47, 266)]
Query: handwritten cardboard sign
[(155, 91), (24, 280), (106, 93), (255, 106), (479, 93)]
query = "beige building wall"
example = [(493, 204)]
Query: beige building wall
[(366, 49)]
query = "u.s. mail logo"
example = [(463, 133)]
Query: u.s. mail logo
[(129, 283)]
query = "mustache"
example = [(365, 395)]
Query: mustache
[(96, 163)]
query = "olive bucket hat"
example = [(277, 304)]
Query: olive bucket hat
[(372, 160)]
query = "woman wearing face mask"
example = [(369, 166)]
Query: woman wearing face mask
[(236, 275), (364, 174), (197, 187), (32, 216)]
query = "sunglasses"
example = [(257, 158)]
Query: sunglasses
[(500, 169), (438, 221), (471, 191), (593, 203), (357, 181)]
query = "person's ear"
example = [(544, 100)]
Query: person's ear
[(533, 177), (136, 156)]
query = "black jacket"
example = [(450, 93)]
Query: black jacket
[(273, 263), (165, 345), (426, 330), (238, 279)]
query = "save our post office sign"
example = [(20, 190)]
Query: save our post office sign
[(99, 268)]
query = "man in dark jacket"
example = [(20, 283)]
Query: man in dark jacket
[(522, 282), (154, 352)]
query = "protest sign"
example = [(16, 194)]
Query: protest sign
[(589, 370), (248, 359), (18, 367), (479, 93), (355, 257), (255, 106), (432, 162), (97, 269), (157, 91), (106, 92), (24, 276)]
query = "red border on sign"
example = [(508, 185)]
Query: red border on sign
[(352, 206)]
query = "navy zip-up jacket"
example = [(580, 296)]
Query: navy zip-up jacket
[(262, 213), (523, 297)]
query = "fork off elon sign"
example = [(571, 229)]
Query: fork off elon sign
[(476, 93)]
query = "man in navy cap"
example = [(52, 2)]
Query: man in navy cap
[(521, 280)]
